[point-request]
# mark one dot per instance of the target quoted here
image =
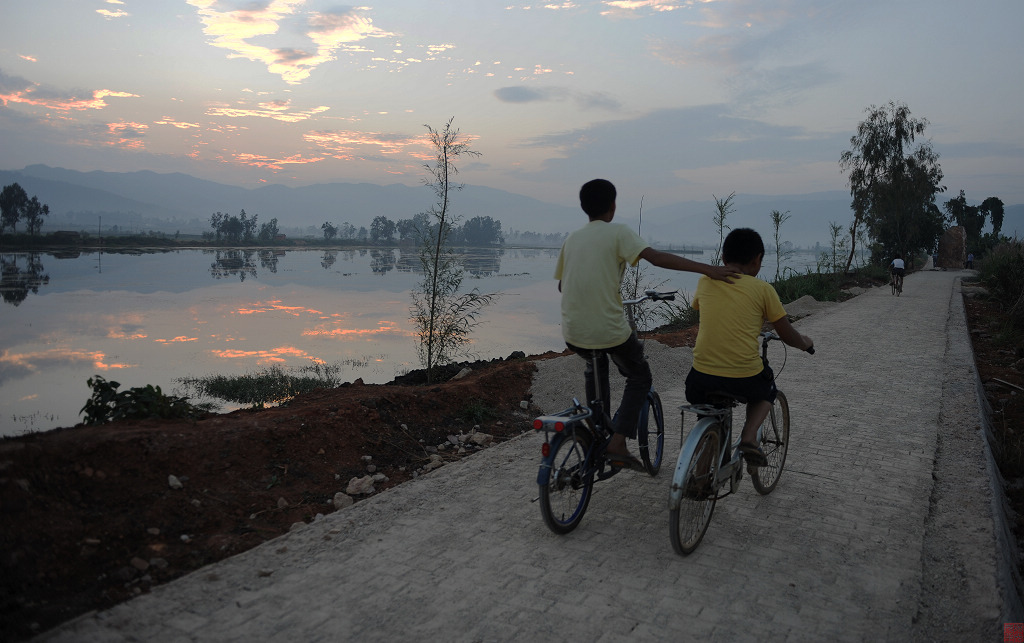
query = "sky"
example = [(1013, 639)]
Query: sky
[(672, 100)]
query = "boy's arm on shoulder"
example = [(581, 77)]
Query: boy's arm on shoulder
[(788, 334), (675, 262)]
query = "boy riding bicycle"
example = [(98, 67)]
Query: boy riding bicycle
[(725, 356), (589, 271), (898, 267)]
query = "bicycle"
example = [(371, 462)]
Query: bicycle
[(575, 440), (709, 466), (897, 283)]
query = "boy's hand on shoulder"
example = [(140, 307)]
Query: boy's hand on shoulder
[(723, 273)]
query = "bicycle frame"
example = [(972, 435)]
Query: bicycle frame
[(709, 416)]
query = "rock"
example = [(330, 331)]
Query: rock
[(342, 500), (140, 564), (463, 373), (523, 404), (282, 503), (296, 525), (360, 486), (435, 462), (173, 482), (370, 468), (380, 477), (481, 439)]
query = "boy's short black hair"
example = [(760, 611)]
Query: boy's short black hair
[(597, 197), (742, 246)]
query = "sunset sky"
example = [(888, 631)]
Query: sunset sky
[(673, 99)]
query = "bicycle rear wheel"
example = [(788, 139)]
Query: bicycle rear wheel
[(775, 444), (651, 446), (690, 521), (565, 493)]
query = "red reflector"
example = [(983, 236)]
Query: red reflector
[(538, 424), (559, 427), (545, 450)]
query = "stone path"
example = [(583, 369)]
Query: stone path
[(838, 552)]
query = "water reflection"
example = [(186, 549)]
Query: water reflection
[(483, 262), (242, 263), (21, 274), (382, 261)]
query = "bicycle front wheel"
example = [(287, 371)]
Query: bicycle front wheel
[(651, 446), (565, 492), (775, 444), (690, 521)]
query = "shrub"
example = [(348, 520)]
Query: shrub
[(1003, 274), (108, 404)]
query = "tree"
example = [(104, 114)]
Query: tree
[(34, 213), (269, 231), (217, 223), (382, 229), (893, 191), (330, 231), (248, 226), (970, 217), (993, 208), (778, 218), (442, 316), (723, 208), (13, 201), (482, 231)]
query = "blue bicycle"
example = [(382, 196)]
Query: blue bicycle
[(575, 440)]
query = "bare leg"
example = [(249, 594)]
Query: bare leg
[(617, 445), (756, 413)]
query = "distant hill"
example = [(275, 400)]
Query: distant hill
[(182, 202), (144, 200)]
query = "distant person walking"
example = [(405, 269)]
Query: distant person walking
[(970, 261)]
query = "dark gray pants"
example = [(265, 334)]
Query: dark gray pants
[(629, 359)]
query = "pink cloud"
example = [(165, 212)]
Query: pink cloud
[(236, 31)]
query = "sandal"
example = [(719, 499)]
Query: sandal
[(624, 461), (753, 454)]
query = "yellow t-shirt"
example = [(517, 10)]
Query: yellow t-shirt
[(590, 267), (731, 316)]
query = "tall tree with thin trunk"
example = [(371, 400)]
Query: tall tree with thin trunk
[(893, 187), (442, 315), (723, 208)]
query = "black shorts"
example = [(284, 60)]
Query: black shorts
[(747, 389), (899, 271)]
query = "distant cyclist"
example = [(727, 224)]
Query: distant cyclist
[(897, 270), (897, 267)]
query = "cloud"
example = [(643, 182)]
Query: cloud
[(657, 149), (278, 110), (269, 163), (625, 6), (346, 145), (327, 32), (127, 135), (522, 94), (14, 89)]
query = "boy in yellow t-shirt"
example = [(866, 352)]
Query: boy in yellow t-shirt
[(726, 356), (589, 273)]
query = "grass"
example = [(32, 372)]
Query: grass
[(272, 385)]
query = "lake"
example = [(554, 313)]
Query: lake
[(153, 317)]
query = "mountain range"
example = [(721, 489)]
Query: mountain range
[(143, 200)]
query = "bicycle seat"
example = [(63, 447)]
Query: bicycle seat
[(724, 399)]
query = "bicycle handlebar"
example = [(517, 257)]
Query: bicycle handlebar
[(769, 336), (653, 295)]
